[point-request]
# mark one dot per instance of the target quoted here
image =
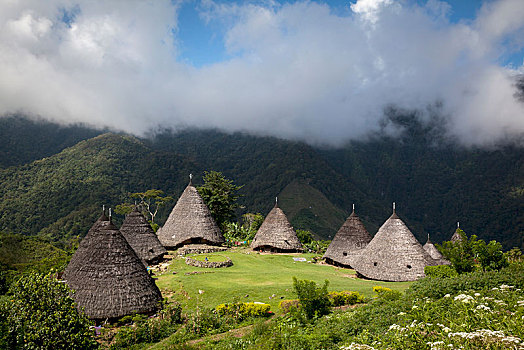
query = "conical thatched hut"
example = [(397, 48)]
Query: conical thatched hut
[(276, 234), (190, 222), (434, 253), (456, 235), (141, 237), (109, 279), (394, 254), (351, 237)]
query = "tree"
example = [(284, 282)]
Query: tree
[(305, 236), (514, 255), (39, 313), (219, 194), (150, 202), (490, 256), (460, 253), (314, 301)]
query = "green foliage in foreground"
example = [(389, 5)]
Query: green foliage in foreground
[(243, 310), (149, 330), (463, 253), (39, 313), (21, 254), (440, 271), (345, 298), (479, 316), (314, 301)]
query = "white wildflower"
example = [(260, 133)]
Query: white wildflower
[(355, 346), (401, 313), (464, 298), (447, 295), (395, 327), (477, 294), (483, 307)]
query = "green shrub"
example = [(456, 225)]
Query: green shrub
[(314, 301), (478, 280), (345, 298), (39, 313), (146, 330), (490, 255), (385, 293), (460, 253), (204, 321), (440, 271), (243, 310), (286, 305)]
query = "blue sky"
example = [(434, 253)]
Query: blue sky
[(202, 43), (318, 71)]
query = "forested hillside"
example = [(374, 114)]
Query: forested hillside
[(25, 140), (60, 196), (434, 182)]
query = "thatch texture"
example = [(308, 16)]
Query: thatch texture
[(141, 237), (394, 254), (109, 279), (434, 253), (351, 237), (456, 237), (276, 234), (190, 222)]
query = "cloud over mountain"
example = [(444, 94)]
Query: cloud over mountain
[(296, 70)]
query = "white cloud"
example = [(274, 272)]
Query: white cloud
[(298, 70)]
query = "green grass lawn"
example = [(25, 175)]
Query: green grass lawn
[(216, 257), (255, 277)]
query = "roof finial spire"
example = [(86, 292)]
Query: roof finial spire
[(428, 237), (109, 214), (353, 208), (276, 201), (103, 208), (393, 207), (190, 179), (458, 224)]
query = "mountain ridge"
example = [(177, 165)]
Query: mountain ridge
[(60, 195)]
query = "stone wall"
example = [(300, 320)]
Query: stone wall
[(209, 264), (199, 249)]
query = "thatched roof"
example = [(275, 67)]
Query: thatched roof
[(141, 237), (276, 232), (394, 254), (352, 236), (434, 253), (190, 221), (456, 235), (109, 279)]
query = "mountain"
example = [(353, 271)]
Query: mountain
[(25, 140), (307, 207), (434, 181), (60, 196)]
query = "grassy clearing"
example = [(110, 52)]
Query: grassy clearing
[(255, 277), (210, 257)]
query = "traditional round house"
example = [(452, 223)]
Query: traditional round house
[(190, 222), (457, 237), (141, 237), (276, 234), (351, 237), (434, 253), (109, 279), (394, 254)]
